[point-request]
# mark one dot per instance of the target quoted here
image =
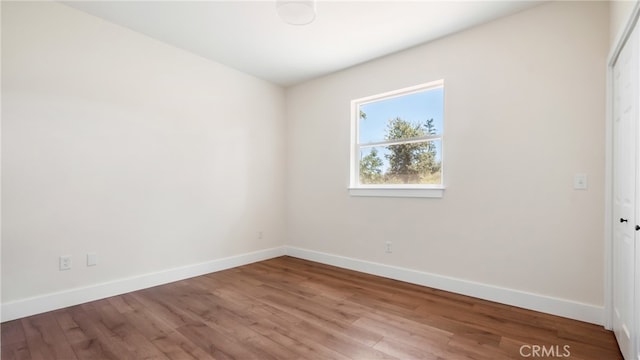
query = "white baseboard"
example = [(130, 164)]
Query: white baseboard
[(48, 302), (546, 304)]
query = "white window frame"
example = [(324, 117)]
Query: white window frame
[(391, 190)]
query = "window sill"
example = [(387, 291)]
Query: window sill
[(398, 192)]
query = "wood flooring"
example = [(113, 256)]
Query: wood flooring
[(287, 308)]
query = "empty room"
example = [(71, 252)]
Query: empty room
[(320, 179)]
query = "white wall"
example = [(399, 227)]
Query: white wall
[(155, 158), (524, 112), (117, 144)]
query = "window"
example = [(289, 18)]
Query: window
[(397, 143)]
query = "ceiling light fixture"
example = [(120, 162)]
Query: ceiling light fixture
[(296, 12)]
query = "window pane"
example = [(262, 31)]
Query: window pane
[(416, 163), (402, 117)]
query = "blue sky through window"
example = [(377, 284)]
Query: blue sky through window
[(417, 107)]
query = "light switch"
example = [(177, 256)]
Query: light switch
[(92, 259), (580, 182)]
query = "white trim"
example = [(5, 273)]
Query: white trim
[(412, 140), (608, 208), (624, 34), (546, 304), (621, 38), (48, 302), (400, 92), (397, 192)]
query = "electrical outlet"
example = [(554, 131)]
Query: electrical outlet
[(260, 234), (387, 247), (65, 262), (580, 182)]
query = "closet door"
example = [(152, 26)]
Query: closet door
[(626, 79)]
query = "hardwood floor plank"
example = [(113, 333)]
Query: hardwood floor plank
[(342, 343), (161, 306), (335, 324), (287, 308), (176, 346), (464, 349), (85, 337), (118, 330), (401, 350), (147, 324), (16, 351), (284, 328), (99, 349), (300, 344), (214, 342), (409, 335), (214, 313), (45, 338), (12, 332)]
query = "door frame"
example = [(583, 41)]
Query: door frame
[(608, 220)]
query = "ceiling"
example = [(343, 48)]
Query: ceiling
[(250, 37)]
